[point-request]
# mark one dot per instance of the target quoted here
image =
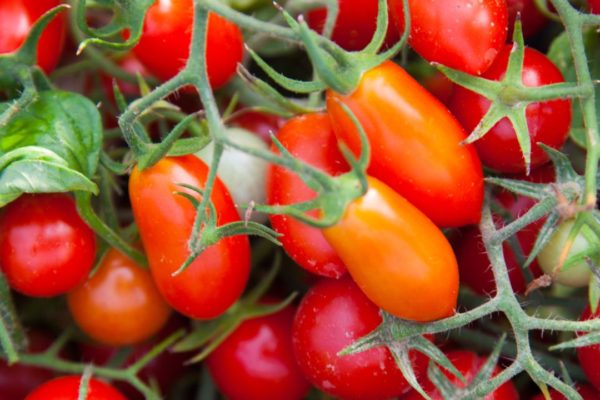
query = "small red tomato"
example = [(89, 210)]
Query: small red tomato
[(461, 34), (67, 388), (262, 124), (165, 43), (594, 6), (587, 393), (531, 18), (120, 304), (469, 364), (310, 138), (333, 315), (16, 19), (45, 247), (259, 355), (548, 121), (589, 355), (355, 24)]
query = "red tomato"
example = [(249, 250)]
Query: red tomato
[(45, 247), (67, 388), (531, 18), (165, 42), (16, 19), (587, 392), (262, 124), (259, 355), (129, 64), (355, 24), (120, 304), (310, 138), (461, 34), (415, 144), (217, 278), (548, 121), (438, 85), (469, 364), (589, 355), (594, 6), (331, 316)]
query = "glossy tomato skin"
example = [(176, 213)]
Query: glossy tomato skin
[(461, 34), (589, 355), (587, 393), (16, 20), (310, 138), (355, 24), (594, 6), (217, 278), (415, 144), (164, 45), (393, 252), (259, 355), (45, 247), (532, 19), (67, 388), (469, 364), (548, 121), (120, 304), (332, 315)]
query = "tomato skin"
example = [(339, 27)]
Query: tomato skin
[(45, 247), (310, 138), (588, 356), (548, 121), (415, 145), (594, 6), (587, 392), (164, 45), (16, 20), (332, 315), (67, 388), (461, 34), (532, 19), (120, 304), (216, 279), (393, 251), (259, 355)]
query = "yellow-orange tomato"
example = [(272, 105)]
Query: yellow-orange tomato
[(396, 255), (120, 304)]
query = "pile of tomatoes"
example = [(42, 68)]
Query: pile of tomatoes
[(131, 188)]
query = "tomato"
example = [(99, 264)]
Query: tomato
[(589, 355), (577, 274), (355, 24), (461, 34), (216, 279), (548, 121), (415, 145), (120, 304), (165, 42), (45, 247), (333, 315), (438, 85), (67, 388), (129, 64), (531, 18), (259, 355), (469, 364), (16, 19), (586, 392), (310, 138), (262, 124), (594, 6)]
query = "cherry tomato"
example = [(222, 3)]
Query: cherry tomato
[(67, 387), (16, 19), (594, 6), (262, 124), (120, 304), (461, 34), (589, 355), (332, 315), (469, 364), (45, 247), (415, 145), (132, 65), (259, 355), (310, 138), (165, 42), (355, 24), (216, 279), (531, 18), (586, 392), (548, 121)]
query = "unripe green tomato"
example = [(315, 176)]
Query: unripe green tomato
[(577, 274)]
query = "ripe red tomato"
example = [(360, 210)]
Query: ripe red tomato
[(120, 304), (589, 355), (587, 392), (165, 43), (594, 6), (461, 34), (310, 138), (548, 121), (67, 387), (469, 364), (45, 247), (217, 278), (415, 145), (259, 355), (16, 19), (262, 124), (331, 316), (531, 18), (355, 24)]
